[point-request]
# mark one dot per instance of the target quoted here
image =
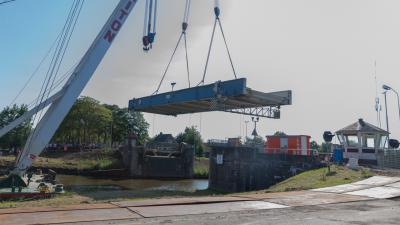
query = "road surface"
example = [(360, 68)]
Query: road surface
[(371, 212)]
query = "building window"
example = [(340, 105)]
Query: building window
[(368, 141), (341, 138), (284, 143), (352, 140)]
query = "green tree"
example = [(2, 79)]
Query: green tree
[(193, 137), (257, 140), (17, 137), (125, 122), (91, 122), (139, 126), (279, 133), (315, 146), (325, 147), (87, 122)]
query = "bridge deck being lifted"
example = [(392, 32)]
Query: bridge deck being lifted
[(230, 96)]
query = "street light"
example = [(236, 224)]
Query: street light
[(387, 118), (255, 121), (387, 88)]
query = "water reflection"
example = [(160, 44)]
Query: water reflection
[(80, 183)]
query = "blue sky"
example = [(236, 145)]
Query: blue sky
[(323, 50), (28, 30)]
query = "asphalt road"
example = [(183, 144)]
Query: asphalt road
[(360, 213)]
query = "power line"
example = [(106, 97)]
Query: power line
[(34, 72), (58, 54), (4, 2)]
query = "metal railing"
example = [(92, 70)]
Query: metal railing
[(389, 158)]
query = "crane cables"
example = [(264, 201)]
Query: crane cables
[(185, 24), (217, 12), (50, 82), (59, 53), (150, 22), (34, 73)]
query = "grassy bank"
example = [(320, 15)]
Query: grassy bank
[(94, 160), (201, 167), (320, 178)]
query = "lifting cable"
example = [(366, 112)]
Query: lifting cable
[(217, 12), (57, 84), (50, 79), (60, 51), (150, 22), (34, 72), (185, 24)]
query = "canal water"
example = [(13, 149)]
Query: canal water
[(81, 183)]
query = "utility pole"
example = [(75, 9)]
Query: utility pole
[(387, 88), (386, 110)]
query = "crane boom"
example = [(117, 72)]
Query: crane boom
[(4, 130), (60, 107)]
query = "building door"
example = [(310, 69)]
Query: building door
[(284, 145), (303, 145)]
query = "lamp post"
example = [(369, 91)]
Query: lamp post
[(387, 118), (255, 121), (387, 88)]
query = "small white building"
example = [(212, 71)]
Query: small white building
[(362, 141)]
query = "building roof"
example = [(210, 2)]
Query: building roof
[(163, 138), (362, 127)]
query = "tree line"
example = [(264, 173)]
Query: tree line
[(192, 137), (90, 122), (87, 122), (16, 138)]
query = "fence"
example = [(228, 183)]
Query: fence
[(389, 158)]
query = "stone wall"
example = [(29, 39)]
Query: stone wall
[(238, 169)]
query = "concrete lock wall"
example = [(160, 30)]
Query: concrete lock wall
[(238, 169), (148, 166)]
